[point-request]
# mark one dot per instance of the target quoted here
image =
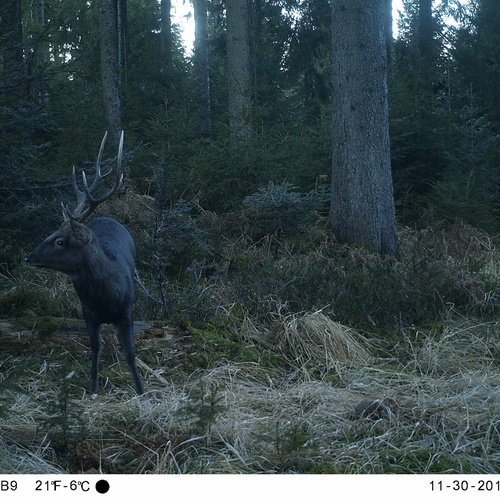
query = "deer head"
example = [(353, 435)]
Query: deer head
[(62, 250)]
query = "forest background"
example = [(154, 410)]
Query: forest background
[(442, 106), (229, 204), (242, 132)]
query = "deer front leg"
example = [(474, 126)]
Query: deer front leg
[(93, 330)]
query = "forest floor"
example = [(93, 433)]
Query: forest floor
[(260, 373), (336, 401)]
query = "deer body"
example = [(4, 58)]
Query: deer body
[(99, 258), (104, 278)]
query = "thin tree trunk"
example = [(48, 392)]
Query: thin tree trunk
[(110, 69), (38, 55), (123, 49), (362, 205), (202, 65), (426, 43), (166, 30), (239, 76), (256, 46), (42, 45), (11, 50), (425, 29)]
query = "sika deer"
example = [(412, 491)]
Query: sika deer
[(99, 259)]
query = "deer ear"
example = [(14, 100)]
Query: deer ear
[(80, 231)]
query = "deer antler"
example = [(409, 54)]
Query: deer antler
[(79, 214)]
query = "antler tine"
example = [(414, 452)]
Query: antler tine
[(86, 195), (80, 198), (98, 175)]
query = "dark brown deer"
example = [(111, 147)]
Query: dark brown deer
[(99, 259)]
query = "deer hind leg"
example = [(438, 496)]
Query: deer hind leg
[(126, 339), (95, 346)]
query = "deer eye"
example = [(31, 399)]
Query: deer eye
[(60, 242)]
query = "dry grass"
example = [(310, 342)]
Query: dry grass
[(441, 390), (16, 459), (315, 342)]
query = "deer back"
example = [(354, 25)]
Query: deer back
[(115, 240)]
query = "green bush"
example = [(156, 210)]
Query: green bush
[(440, 268), (277, 209)]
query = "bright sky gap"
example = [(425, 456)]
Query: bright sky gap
[(182, 14)]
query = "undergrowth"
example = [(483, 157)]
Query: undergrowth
[(196, 265)]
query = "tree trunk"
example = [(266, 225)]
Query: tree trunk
[(38, 55), (425, 28), (11, 50), (202, 65), (362, 204), (123, 48), (166, 30), (110, 68), (239, 76), (425, 36)]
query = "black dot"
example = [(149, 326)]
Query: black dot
[(102, 486)]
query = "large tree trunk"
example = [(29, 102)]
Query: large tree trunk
[(110, 68), (202, 65), (239, 76), (362, 204), (11, 50)]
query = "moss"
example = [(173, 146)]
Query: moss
[(18, 301), (423, 460), (398, 461), (46, 326), (210, 342), (328, 468), (204, 345)]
